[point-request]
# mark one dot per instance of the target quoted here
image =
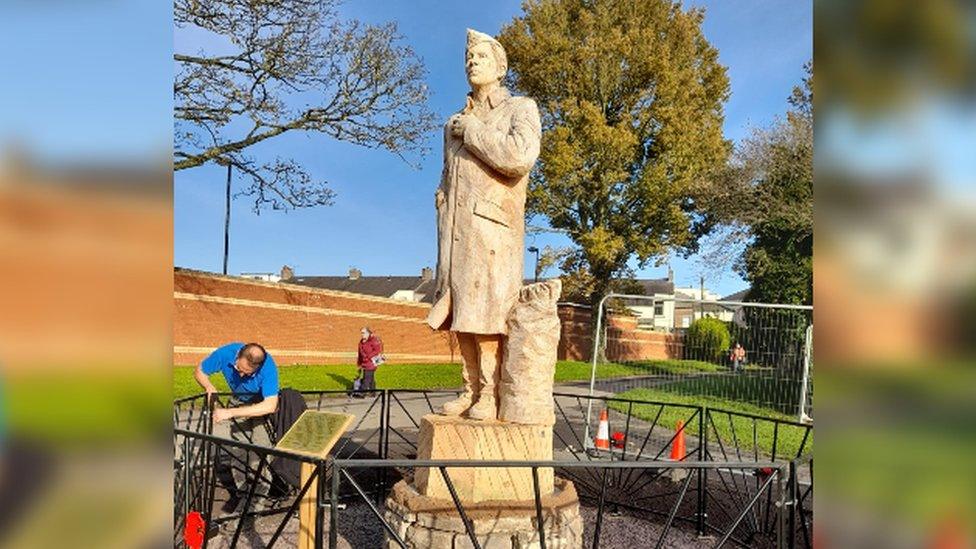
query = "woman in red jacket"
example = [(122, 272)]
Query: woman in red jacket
[(370, 356)]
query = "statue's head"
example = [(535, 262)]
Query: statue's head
[(485, 61)]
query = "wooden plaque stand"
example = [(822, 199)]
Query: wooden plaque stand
[(313, 435)]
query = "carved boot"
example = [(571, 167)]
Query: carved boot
[(485, 408), (469, 372), (458, 406)]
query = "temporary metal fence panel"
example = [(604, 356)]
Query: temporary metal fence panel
[(806, 392), (756, 356)]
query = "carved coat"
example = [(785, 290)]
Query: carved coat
[(481, 214)]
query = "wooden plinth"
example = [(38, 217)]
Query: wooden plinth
[(443, 437), (427, 523)]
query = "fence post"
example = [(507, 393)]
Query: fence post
[(807, 352), (587, 439), (386, 423), (333, 504), (790, 542), (599, 509), (539, 521), (210, 457), (186, 475), (381, 450), (782, 503), (702, 472)]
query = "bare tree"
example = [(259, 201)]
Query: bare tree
[(291, 66), (763, 205)]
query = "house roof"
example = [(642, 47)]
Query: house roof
[(741, 295), (381, 286), (651, 286), (656, 286)]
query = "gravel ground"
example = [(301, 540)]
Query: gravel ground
[(359, 528), (629, 530)]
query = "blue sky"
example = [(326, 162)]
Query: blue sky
[(87, 81), (102, 71), (383, 220)]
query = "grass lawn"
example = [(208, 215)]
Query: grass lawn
[(904, 441), (391, 376), (97, 406), (790, 436), (674, 366), (338, 377), (781, 395), (568, 370)]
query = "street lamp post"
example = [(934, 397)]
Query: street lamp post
[(227, 221), (535, 250)]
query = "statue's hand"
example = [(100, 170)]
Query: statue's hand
[(456, 124), (439, 198)]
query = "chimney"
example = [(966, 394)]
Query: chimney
[(670, 274), (426, 274), (355, 273), (287, 273)]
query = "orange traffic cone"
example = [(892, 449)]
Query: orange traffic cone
[(950, 534), (678, 447), (603, 432)]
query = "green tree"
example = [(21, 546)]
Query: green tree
[(271, 67), (631, 96), (776, 185), (707, 339), (875, 56)]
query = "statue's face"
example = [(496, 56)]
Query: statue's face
[(481, 66)]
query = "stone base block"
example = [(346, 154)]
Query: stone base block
[(425, 522), (443, 437)]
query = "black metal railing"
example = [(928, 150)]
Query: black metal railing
[(212, 444), (774, 482), (800, 500), (380, 448)]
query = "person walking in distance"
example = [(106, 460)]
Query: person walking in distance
[(738, 357), (369, 358)]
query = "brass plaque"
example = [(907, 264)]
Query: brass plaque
[(315, 433)]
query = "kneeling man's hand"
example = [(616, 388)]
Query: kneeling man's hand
[(222, 414)]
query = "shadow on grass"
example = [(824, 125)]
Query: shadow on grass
[(675, 366), (344, 381)]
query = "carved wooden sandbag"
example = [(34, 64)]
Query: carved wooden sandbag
[(525, 388)]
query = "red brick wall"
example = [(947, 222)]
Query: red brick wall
[(624, 341), (309, 326), (297, 325)]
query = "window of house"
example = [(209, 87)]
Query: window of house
[(659, 309)]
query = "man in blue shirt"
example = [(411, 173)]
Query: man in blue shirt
[(251, 374)]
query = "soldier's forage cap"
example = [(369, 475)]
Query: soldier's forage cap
[(475, 37)]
